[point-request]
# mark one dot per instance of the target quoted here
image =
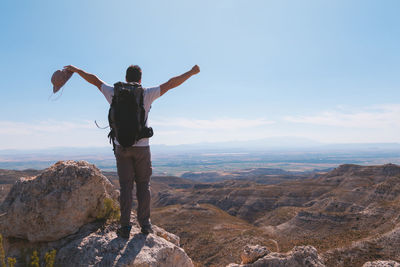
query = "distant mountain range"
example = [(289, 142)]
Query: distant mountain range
[(274, 144)]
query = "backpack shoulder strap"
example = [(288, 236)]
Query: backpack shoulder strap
[(143, 113)]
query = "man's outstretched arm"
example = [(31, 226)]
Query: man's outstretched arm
[(178, 80), (90, 78)]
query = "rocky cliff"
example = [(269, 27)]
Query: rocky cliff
[(346, 217), (70, 207), (351, 215)]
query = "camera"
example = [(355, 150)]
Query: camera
[(147, 132)]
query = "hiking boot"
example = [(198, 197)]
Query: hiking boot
[(146, 229), (124, 231)]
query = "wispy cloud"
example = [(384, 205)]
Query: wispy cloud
[(339, 125), (40, 127), (370, 117), (216, 124), (50, 133)]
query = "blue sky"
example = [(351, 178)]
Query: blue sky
[(327, 71)]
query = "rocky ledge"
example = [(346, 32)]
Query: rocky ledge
[(300, 256), (381, 264), (70, 208)]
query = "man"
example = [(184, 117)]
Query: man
[(134, 163)]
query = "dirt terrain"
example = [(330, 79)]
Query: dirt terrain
[(350, 214)]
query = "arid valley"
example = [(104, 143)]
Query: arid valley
[(350, 214)]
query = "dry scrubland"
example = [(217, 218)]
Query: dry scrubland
[(350, 214), (351, 207)]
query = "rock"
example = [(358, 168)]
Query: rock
[(57, 210), (97, 244), (302, 256), (104, 248), (174, 239), (252, 253), (55, 203), (381, 264)]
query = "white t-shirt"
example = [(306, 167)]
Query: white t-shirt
[(150, 94)]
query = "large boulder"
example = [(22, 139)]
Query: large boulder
[(55, 203), (301, 256)]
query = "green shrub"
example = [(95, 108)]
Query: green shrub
[(50, 258), (11, 261), (2, 253), (34, 260), (110, 210)]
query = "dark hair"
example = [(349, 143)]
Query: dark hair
[(133, 74)]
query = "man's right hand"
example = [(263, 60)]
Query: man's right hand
[(195, 70), (178, 80)]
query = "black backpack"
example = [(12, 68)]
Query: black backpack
[(127, 115)]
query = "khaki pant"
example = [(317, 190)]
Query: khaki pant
[(134, 164)]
